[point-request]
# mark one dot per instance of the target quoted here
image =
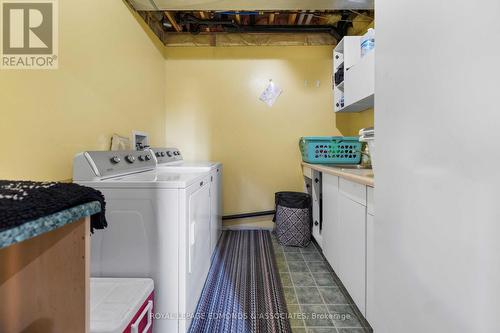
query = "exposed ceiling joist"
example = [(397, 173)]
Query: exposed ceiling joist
[(271, 18), (335, 23), (203, 16), (301, 18), (308, 19), (173, 22)]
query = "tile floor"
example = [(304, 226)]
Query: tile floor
[(315, 302)]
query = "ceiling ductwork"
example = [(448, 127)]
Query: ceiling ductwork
[(335, 23), (196, 25)]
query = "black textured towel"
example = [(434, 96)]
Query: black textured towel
[(23, 201)]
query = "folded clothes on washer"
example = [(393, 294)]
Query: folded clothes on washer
[(24, 201)]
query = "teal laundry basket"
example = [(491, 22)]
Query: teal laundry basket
[(330, 149)]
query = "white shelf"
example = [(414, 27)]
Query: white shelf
[(363, 104), (338, 65)]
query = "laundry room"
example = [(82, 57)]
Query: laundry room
[(210, 166)]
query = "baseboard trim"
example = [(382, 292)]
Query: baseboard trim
[(246, 227)]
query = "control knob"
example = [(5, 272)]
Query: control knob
[(157, 154), (147, 157), (142, 157), (130, 158), (169, 154), (162, 154), (115, 159)]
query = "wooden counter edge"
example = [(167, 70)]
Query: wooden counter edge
[(363, 180)]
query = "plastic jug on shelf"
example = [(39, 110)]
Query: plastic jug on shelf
[(368, 42)]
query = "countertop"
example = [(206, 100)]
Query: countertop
[(47, 223), (360, 176)]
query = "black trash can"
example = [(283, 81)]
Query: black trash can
[(293, 218)]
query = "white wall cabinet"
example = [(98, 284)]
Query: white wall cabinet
[(356, 91)]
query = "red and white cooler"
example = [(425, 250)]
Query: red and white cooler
[(121, 305)]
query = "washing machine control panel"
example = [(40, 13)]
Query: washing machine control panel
[(166, 155), (92, 164)]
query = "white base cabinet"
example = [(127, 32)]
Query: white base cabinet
[(370, 250), (370, 220), (352, 248), (317, 207), (344, 236), (330, 220)]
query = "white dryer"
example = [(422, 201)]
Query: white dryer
[(158, 227), (171, 159)]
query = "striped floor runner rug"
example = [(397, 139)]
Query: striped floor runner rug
[(243, 292)]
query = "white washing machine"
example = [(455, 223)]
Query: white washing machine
[(158, 227), (171, 158)]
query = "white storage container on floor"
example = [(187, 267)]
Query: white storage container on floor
[(121, 305)]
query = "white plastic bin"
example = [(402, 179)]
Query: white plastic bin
[(371, 149), (368, 135), (121, 305)]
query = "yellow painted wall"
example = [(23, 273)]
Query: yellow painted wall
[(110, 79), (213, 112), (113, 78), (350, 123)]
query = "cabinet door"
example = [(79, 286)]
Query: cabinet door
[(370, 265), (316, 207), (360, 80), (330, 232), (352, 249)]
